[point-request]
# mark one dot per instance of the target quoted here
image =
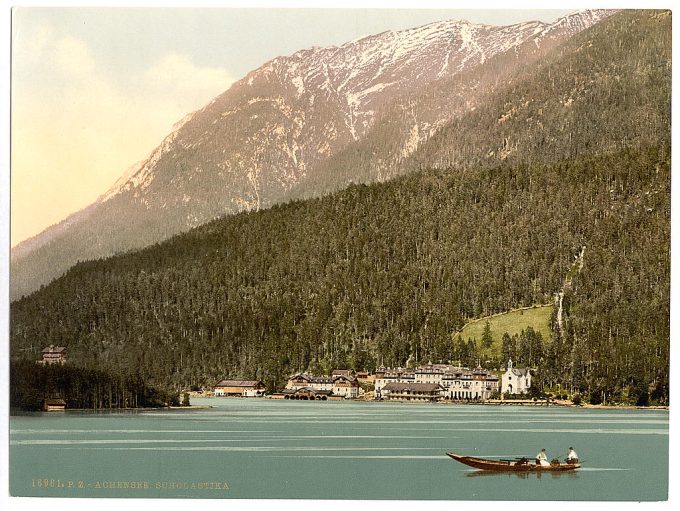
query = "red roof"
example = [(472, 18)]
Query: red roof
[(412, 387), (54, 349), (239, 383), (54, 402)]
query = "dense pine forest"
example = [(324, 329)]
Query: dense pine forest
[(94, 389), (383, 274)]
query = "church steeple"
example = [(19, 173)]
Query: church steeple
[(509, 364)]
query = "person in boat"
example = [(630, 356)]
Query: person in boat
[(542, 459), (572, 457)]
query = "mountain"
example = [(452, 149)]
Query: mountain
[(570, 205), (548, 110), (280, 133), (559, 112)]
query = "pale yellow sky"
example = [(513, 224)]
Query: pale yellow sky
[(76, 128)]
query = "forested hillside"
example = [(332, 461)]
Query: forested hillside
[(384, 273)]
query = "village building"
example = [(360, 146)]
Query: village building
[(52, 405), (364, 377), (345, 386), (239, 388), (412, 392), (457, 383), (53, 355), (470, 385), (303, 380), (385, 376), (515, 381), (338, 385)]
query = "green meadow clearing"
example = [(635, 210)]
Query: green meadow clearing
[(512, 322)]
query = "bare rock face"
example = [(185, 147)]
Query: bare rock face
[(290, 128)]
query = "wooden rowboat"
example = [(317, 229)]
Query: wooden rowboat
[(511, 465)]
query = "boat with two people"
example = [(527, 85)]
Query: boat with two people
[(521, 464)]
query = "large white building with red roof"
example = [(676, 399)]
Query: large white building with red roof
[(455, 383)]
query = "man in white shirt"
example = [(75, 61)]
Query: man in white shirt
[(572, 457), (542, 459)]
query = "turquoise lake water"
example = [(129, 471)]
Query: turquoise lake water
[(261, 448)]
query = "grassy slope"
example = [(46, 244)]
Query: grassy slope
[(512, 322)]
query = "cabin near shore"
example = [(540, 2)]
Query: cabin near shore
[(53, 405), (239, 388)]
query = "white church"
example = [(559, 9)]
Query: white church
[(515, 381)]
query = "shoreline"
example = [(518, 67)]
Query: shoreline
[(18, 411), (529, 403), (586, 406), (562, 404), (539, 403)]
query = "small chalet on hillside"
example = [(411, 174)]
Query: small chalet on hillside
[(53, 355), (239, 388)]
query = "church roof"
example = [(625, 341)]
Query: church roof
[(520, 372)]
